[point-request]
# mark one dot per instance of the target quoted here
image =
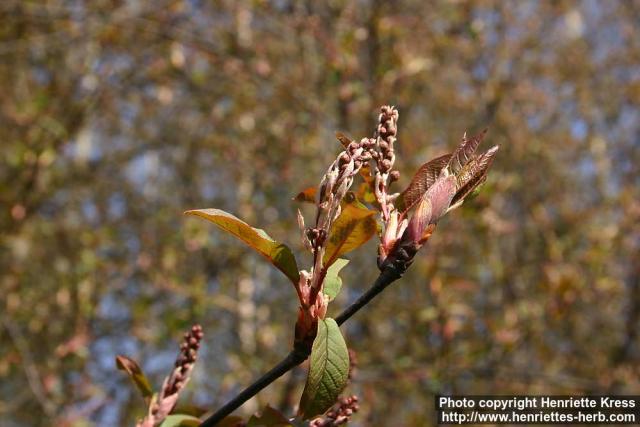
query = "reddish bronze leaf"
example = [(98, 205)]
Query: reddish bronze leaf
[(422, 180), (464, 152), (473, 174)]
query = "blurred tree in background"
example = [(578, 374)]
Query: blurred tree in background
[(118, 115)]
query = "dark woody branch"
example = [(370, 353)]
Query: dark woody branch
[(297, 356)]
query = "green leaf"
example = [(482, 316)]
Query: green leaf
[(134, 371), (277, 253), (181, 420), (269, 417), (328, 370), (333, 282), (353, 228)]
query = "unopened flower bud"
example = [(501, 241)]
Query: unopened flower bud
[(367, 142)]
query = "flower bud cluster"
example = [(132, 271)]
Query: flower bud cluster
[(185, 361), (387, 131), (338, 179), (162, 404), (339, 414), (384, 155), (332, 190)]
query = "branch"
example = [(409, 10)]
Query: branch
[(389, 275)]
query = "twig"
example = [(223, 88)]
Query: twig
[(294, 358), (387, 277)]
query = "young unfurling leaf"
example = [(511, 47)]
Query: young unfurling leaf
[(422, 180), (134, 371), (328, 370), (277, 253), (472, 175), (352, 229), (432, 206), (464, 152), (333, 282), (366, 190)]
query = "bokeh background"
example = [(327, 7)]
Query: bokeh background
[(116, 116)]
